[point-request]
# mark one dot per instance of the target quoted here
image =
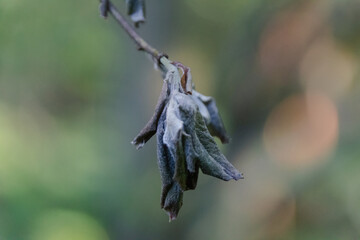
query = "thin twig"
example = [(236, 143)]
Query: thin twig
[(139, 41)]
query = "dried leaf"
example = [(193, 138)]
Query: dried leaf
[(216, 163), (183, 123), (183, 111), (171, 193), (173, 201), (175, 140), (150, 128), (104, 8), (211, 116), (136, 10)]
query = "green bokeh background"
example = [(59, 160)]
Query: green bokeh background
[(74, 92)]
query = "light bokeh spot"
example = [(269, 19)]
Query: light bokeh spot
[(213, 10), (301, 130), (64, 224), (327, 68)]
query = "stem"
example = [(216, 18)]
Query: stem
[(139, 41)]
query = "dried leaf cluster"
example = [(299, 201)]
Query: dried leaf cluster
[(185, 122)]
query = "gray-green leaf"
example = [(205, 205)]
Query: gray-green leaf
[(210, 113)]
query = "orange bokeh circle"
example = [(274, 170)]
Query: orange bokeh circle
[(301, 130)]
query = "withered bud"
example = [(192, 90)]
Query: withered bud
[(184, 121), (136, 11), (104, 8)]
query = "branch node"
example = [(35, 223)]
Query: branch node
[(159, 56)]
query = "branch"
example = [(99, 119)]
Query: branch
[(139, 41)]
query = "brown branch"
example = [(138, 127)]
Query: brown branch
[(139, 41)]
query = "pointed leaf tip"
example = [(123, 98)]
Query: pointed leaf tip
[(137, 144), (172, 216)]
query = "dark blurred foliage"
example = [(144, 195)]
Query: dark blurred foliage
[(74, 92)]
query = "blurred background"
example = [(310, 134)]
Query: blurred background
[(74, 92)]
